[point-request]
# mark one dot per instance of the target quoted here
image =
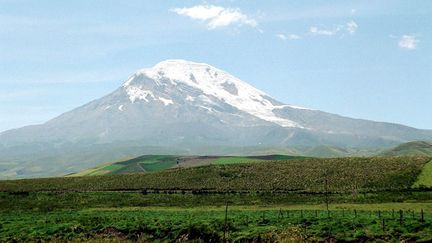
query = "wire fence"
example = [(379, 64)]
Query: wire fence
[(330, 222)]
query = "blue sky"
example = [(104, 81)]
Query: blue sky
[(363, 59)]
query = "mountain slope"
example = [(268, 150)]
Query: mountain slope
[(182, 107), (416, 148)]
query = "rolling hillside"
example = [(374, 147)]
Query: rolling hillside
[(417, 148), (306, 175), (425, 177), (154, 163)]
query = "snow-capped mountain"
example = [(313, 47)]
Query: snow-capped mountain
[(209, 82), (179, 106)]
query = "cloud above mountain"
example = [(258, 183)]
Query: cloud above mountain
[(288, 37), (408, 42), (349, 27), (216, 16)]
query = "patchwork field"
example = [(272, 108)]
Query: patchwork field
[(154, 163)]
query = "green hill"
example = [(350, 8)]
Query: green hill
[(154, 163), (306, 175), (327, 151), (416, 148), (425, 178)]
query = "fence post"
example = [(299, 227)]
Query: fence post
[(393, 213), (226, 221), (326, 192), (355, 213), (383, 224), (316, 213), (379, 214), (400, 217), (422, 216)]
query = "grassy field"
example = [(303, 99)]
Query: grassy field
[(425, 177), (233, 160), (134, 216), (310, 175), (209, 225), (252, 159), (368, 198), (147, 163), (154, 163), (49, 201)]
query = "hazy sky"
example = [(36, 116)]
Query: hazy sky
[(363, 59)]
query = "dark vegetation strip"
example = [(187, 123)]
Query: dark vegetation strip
[(307, 175), (51, 201)]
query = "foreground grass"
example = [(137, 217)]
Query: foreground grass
[(134, 216), (371, 199), (208, 224)]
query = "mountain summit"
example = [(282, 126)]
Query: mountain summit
[(182, 107), (199, 84)]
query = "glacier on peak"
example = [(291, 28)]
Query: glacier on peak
[(209, 80)]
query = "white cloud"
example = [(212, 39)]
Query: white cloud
[(408, 42), (351, 27), (282, 36), (294, 37), (289, 37), (328, 32), (216, 16)]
